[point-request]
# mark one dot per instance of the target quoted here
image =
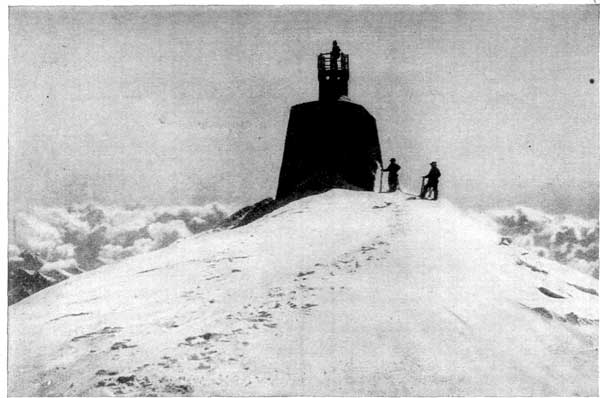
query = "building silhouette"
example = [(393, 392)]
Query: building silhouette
[(332, 142)]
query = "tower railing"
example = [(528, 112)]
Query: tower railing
[(324, 63), (334, 74)]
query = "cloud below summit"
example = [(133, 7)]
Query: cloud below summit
[(89, 236)]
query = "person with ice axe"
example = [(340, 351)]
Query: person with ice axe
[(432, 181), (393, 170)]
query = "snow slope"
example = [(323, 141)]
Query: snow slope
[(343, 293)]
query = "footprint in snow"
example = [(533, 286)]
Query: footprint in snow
[(550, 293), (584, 289), (203, 338), (103, 372), (386, 204), (70, 315), (169, 325), (121, 345), (108, 331)]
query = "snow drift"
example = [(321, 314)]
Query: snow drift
[(343, 293)]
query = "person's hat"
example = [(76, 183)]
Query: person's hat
[(433, 163)]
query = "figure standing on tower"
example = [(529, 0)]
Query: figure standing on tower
[(335, 54)]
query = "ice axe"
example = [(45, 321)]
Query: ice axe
[(381, 177)]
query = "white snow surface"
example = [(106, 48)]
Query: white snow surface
[(343, 293)]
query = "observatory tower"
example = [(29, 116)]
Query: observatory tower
[(332, 142)]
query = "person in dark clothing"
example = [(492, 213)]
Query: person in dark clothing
[(432, 181), (393, 170), (335, 54)]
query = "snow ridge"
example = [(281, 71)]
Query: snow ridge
[(342, 293)]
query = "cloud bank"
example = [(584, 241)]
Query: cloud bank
[(568, 239), (80, 238)]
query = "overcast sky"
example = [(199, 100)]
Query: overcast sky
[(177, 105)]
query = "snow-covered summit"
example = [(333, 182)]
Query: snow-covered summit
[(343, 293)]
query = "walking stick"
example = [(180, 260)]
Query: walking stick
[(381, 182), (422, 194)]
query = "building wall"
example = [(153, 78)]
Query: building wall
[(329, 144)]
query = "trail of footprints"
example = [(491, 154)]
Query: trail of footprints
[(208, 351)]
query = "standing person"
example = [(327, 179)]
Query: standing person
[(432, 181), (393, 170), (335, 54)]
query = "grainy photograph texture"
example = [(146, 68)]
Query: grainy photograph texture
[(303, 200)]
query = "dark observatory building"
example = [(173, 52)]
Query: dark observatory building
[(332, 142)]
